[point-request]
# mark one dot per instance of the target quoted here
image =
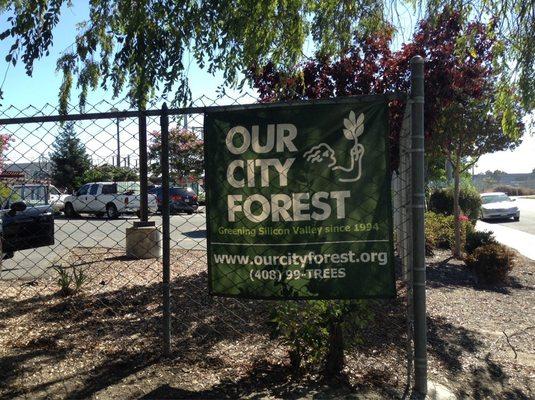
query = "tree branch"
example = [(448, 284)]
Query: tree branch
[(467, 166), (510, 345)]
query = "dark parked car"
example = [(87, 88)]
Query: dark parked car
[(25, 227), (180, 199)]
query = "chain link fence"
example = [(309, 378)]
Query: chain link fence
[(82, 317)]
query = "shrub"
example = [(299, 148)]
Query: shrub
[(440, 232), (430, 246), (316, 332), (7, 195), (514, 191), (475, 239), (441, 201), (491, 263)]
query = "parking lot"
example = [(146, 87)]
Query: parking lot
[(187, 232)]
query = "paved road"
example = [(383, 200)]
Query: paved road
[(187, 232), (527, 217), (519, 235)]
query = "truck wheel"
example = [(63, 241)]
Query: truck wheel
[(69, 211), (111, 211)]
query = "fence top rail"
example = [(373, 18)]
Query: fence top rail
[(198, 109)]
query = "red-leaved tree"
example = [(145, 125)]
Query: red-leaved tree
[(459, 68), (186, 155), (459, 74)]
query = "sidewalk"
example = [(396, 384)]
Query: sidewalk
[(523, 242)]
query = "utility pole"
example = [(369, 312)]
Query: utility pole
[(117, 120)]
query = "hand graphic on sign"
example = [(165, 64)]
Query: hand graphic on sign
[(323, 153)]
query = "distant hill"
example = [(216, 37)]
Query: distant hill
[(490, 180)]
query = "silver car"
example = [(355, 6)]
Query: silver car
[(498, 205)]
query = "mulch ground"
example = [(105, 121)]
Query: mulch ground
[(482, 338), (105, 342)]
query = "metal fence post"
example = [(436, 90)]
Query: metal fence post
[(418, 235), (118, 138), (144, 215), (164, 123)]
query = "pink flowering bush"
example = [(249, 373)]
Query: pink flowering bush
[(4, 145), (463, 218), (186, 154)]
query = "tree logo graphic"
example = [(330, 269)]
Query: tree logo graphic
[(323, 153)]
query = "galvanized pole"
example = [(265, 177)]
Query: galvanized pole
[(143, 167), (418, 235), (164, 123), (118, 143)]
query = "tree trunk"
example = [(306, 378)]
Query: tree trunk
[(334, 362), (457, 210)]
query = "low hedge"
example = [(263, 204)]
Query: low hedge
[(491, 263), (441, 202), (475, 239)]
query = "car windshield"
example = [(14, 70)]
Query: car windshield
[(495, 198), (128, 187), (32, 195)]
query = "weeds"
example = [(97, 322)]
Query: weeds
[(77, 278)]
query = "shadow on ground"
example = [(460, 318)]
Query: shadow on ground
[(453, 273), (264, 381), (489, 381), (115, 336), (197, 234)]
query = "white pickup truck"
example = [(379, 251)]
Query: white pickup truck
[(107, 198)]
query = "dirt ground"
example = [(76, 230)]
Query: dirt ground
[(105, 342)]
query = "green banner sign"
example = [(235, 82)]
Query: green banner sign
[(299, 202)]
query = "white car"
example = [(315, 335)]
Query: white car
[(498, 205), (107, 198), (35, 193)]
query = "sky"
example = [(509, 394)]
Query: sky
[(42, 88)]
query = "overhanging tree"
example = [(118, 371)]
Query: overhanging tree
[(470, 108), (142, 44), (69, 159)]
